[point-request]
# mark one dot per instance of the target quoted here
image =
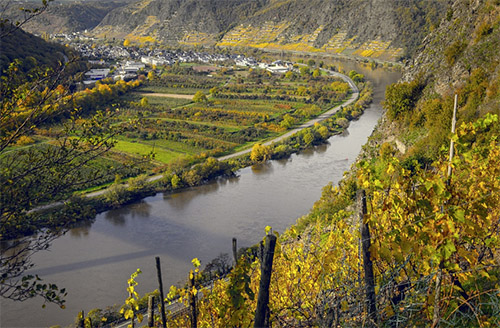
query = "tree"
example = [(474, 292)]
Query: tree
[(151, 75), (260, 153), (356, 77), (288, 121), (308, 138), (199, 96), (304, 71), (126, 43), (144, 102), (400, 98), (42, 173)]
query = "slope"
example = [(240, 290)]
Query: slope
[(384, 30)]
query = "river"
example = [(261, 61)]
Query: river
[(94, 262)]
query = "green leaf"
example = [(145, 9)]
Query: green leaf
[(459, 215), (448, 249)]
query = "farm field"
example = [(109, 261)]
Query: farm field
[(178, 117), (228, 112)]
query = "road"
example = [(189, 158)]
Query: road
[(166, 95)]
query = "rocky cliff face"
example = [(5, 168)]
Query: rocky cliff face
[(384, 29), (467, 40), (460, 56)]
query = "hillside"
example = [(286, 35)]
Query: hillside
[(384, 30), (171, 20), (460, 57), (30, 49), (64, 17)]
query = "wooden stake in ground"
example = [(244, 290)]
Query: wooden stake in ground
[(151, 311), (81, 320), (235, 251), (439, 275), (262, 311), (162, 298), (371, 304), (192, 301)]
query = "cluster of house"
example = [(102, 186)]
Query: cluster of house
[(278, 66), (145, 55), (137, 59), (127, 70), (103, 51)]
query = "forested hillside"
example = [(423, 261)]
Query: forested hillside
[(30, 49)]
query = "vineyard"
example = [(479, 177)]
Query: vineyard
[(182, 116), (229, 111), (389, 247)]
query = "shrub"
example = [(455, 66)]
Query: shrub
[(24, 140)]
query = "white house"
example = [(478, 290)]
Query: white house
[(97, 74)]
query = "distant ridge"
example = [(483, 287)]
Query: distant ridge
[(380, 29)]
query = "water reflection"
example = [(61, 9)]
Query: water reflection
[(81, 229), (262, 169), (181, 199), (118, 217), (284, 161)]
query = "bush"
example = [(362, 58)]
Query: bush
[(24, 140), (454, 51)]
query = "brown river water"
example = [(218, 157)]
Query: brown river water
[(94, 262)]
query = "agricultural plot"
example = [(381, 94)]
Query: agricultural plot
[(183, 117), (230, 111)]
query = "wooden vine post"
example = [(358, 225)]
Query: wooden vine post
[(162, 298), (151, 311), (192, 301), (262, 311), (439, 275), (235, 251), (81, 319), (371, 304)]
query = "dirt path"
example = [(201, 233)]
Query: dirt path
[(167, 95)]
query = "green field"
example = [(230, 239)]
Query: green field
[(238, 112), (172, 90), (162, 101), (142, 149)]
